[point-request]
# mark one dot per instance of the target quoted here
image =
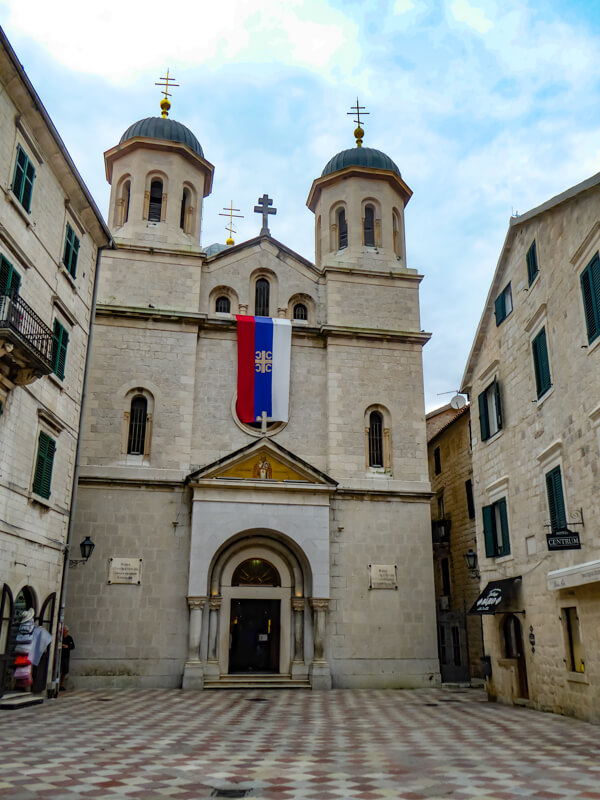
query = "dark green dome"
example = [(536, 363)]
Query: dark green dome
[(163, 128), (360, 157)]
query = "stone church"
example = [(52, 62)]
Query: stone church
[(279, 552)]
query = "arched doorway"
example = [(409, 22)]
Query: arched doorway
[(258, 586), (513, 647)]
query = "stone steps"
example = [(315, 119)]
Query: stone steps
[(258, 681), (13, 701)]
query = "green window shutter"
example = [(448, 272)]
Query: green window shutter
[(10, 280), (74, 256), (500, 309), (59, 350), (541, 363), (556, 500), (28, 186), (484, 422), (19, 176), (71, 250), (590, 288), (532, 264), (43, 467), (496, 390), (504, 527), (488, 531)]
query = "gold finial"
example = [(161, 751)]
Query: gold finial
[(358, 132), (165, 105), (229, 242)]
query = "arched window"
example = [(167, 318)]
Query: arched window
[(369, 227), (126, 198), (342, 229), (255, 572), (136, 439), (223, 305), (155, 207), (24, 600), (46, 619), (185, 202), (261, 298), (6, 615), (375, 439), (396, 232), (300, 311)]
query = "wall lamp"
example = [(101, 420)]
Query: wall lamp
[(472, 562), (87, 548)]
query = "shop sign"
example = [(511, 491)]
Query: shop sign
[(563, 540)]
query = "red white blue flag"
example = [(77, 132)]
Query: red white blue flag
[(263, 383)]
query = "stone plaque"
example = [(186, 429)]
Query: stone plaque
[(383, 576), (125, 570)]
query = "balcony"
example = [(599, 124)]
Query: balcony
[(440, 531), (25, 344)]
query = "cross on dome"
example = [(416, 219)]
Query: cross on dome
[(358, 132), (165, 105), (263, 208)]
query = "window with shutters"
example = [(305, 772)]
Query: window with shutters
[(556, 500), (59, 350), (532, 263), (10, 280), (261, 297), (590, 289), (490, 411), (541, 363), (156, 198), (42, 478), (375, 439), (138, 417), (23, 178), (223, 305), (71, 251), (573, 644), (369, 227), (503, 305), (495, 529), (342, 229)]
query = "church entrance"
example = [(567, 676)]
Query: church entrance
[(254, 635)]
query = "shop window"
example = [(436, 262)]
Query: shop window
[(574, 648)]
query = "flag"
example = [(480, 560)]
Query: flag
[(263, 383)]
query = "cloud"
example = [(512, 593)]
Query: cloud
[(470, 15), (119, 42)]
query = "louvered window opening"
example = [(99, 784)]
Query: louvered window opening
[(590, 288), (342, 229), (23, 178), (541, 363), (60, 342), (300, 311), (184, 205), (532, 263), (261, 300), (375, 439), (155, 208), (223, 305), (137, 426), (556, 500), (71, 251), (43, 466), (369, 226)]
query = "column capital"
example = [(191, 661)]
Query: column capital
[(298, 603), (214, 603), (319, 603), (195, 603)]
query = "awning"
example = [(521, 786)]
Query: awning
[(578, 575), (497, 597)]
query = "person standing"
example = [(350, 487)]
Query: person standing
[(65, 656)]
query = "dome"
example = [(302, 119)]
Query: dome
[(360, 157), (163, 128)]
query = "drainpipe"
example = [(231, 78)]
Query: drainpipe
[(65, 571)]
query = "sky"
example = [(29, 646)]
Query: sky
[(488, 108)]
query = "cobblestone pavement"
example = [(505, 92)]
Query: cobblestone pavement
[(157, 744)]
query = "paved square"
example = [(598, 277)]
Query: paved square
[(429, 744)]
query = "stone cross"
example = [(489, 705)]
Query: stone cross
[(263, 419), (263, 208)]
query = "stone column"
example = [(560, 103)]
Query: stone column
[(193, 672), (320, 676), (298, 609), (214, 605)]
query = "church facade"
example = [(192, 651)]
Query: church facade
[(291, 552)]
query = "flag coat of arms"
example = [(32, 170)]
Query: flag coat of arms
[(263, 384)]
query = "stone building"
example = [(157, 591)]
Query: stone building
[(294, 552), (534, 378), (453, 536), (50, 237)]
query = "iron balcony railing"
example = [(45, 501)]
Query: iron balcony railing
[(440, 531), (26, 327)]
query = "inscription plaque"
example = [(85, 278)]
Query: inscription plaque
[(125, 570), (383, 576)]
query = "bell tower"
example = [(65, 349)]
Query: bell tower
[(158, 177)]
